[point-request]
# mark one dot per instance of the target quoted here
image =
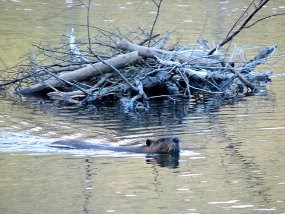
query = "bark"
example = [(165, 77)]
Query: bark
[(143, 51), (198, 57), (82, 73)]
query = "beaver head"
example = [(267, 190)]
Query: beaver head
[(163, 145)]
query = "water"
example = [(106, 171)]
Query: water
[(232, 157)]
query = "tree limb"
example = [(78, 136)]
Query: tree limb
[(240, 28), (82, 73)]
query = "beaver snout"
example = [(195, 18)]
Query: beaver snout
[(174, 146)]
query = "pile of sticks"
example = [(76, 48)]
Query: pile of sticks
[(136, 68)]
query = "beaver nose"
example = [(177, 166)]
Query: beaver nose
[(172, 149), (176, 140)]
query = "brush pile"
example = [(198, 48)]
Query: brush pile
[(135, 73), (139, 67)]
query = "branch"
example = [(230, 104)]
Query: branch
[(155, 20), (242, 26), (81, 74), (243, 80), (163, 41), (65, 81), (88, 25), (80, 93), (240, 18), (116, 70), (266, 17)]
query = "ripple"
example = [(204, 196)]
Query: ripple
[(241, 206), (265, 209), (182, 189), (131, 195), (272, 128), (189, 175), (224, 202)]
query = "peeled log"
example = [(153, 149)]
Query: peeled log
[(197, 57), (143, 51), (82, 73)]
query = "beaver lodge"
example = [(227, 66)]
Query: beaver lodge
[(136, 68)]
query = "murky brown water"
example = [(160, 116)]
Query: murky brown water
[(233, 155)]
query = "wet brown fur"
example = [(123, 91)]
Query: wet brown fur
[(160, 146)]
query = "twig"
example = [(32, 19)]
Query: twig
[(243, 80), (158, 5), (241, 27), (88, 24), (147, 39), (90, 90), (163, 41), (240, 18), (116, 70), (186, 80), (65, 81), (60, 79), (266, 17)]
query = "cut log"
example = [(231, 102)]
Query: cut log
[(82, 73), (198, 57), (143, 51)]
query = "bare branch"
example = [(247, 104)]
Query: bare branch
[(240, 28), (116, 70), (266, 17), (158, 5), (88, 24)]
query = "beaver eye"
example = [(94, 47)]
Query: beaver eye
[(176, 140), (148, 142)]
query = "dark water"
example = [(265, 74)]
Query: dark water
[(232, 158)]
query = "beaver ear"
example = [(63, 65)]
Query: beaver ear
[(148, 142)]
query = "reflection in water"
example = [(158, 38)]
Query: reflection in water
[(242, 161), (164, 160), (251, 172), (91, 173), (88, 186)]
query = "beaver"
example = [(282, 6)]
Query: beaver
[(167, 145)]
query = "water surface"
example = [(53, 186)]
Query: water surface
[(232, 157)]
